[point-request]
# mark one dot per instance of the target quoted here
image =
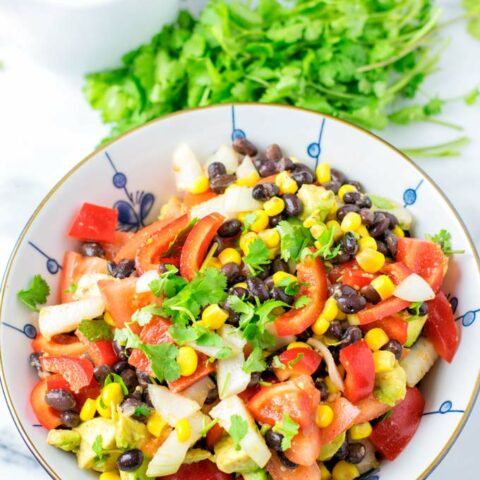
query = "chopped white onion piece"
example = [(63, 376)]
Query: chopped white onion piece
[(144, 281), (186, 167), (87, 286), (226, 155), (419, 360), (327, 356), (246, 168), (215, 204), (239, 199), (414, 289), (198, 392)]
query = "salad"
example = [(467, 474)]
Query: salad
[(273, 323)]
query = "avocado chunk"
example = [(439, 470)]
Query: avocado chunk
[(67, 440), (139, 474), (258, 475), (330, 449), (230, 460), (414, 329), (129, 433), (391, 386), (317, 201), (101, 432), (195, 455)]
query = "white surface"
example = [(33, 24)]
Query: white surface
[(47, 127)]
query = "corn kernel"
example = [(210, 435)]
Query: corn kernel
[(245, 240), (341, 315), (332, 213), (200, 185), (331, 387), (384, 361), (344, 189), (261, 221), (214, 262), (102, 409), (213, 317), (337, 231), (285, 183), (351, 222), (376, 338), (353, 319), (112, 395), (367, 242), (88, 410), (363, 231), (384, 286), (317, 230), (324, 472), (324, 416), (155, 424), (309, 222), (320, 326), (241, 285), (248, 181), (330, 309), (274, 206), (113, 475), (108, 318), (298, 345), (283, 278), (271, 237), (187, 360), (345, 471), (370, 260), (229, 255), (360, 431), (398, 231), (323, 172), (183, 430)]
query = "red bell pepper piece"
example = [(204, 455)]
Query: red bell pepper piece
[(149, 255), (46, 415), (395, 327), (214, 435), (120, 239), (335, 274), (305, 447), (441, 328), (297, 361), (295, 321), (357, 359), (204, 368), (197, 244), (204, 470), (397, 271), (425, 258), (344, 415), (102, 353), (385, 308), (278, 471), (391, 435), (61, 344), (78, 372), (94, 223), (357, 278)]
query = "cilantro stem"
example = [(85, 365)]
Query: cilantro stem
[(448, 149)]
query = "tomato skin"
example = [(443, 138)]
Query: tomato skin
[(59, 345), (94, 223), (279, 472), (344, 415), (424, 258), (397, 271), (306, 365), (357, 359), (46, 415), (205, 367), (197, 243), (78, 372), (120, 239), (395, 327), (385, 308), (370, 408), (204, 470), (305, 447), (295, 321), (441, 327), (148, 256), (214, 435), (357, 278), (391, 435), (102, 353), (118, 296)]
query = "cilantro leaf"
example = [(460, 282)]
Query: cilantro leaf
[(326, 251), (163, 361), (288, 428), (142, 410), (238, 429), (144, 314), (114, 378), (255, 362), (169, 283), (444, 239), (415, 306), (277, 363), (257, 256), (94, 330), (126, 338), (208, 427), (182, 334), (294, 238), (36, 293), (97, 447), (302, 301), (73, 287)]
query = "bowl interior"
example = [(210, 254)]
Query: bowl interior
[(133, 173)]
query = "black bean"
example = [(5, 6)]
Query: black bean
[(130, 379), (333, 186), (284, 164), (233, 319), (120, 351), (350, 243), (335, 351), (274, 440), (342, 211), (321, 386), (356, 184), (265, 272), (218, 241), (341, 257), (338, 176), (368, 217), (244, 146), (293, 205), (305, 335), (219, 184), (364, 201), (34, 360), (215, 169), (269, 283), (230, 228), (143, 378), (92, 249), (285, 461), (335, 330), (264, 191), (347, 290), (352, 197), (258, 160), (122, 269), (212, 396), (273, 152), (130, 460), (393, 220), (267, 168), (276, 219), (238, 292), (278, 293), (356, 452), (137, 394), (231, 270), (70, 419), (279, 265), (352, 334), (395, 347), (257, 288), (370, 294), (60, 399), (129, 408), (380, 225), (422, 310), (254, 380), (391, 240), (342, 452), (303, 177), (382, 247), (120, 366), (101, 373)]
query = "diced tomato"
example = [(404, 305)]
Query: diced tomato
[(306, 446), (78, 372), (392, 434), (204, 470), (305, 383), (441, 328), (425, 258), (192, 199), (62, 344), (395, 327), (385, 308), (297, 361), (214, 435), (397, 271), (357, 359), (312, 274), (149, 254), (344, 415), (120, 239), (197, 243), (370, 408), (56, 381), (46, 415), (247, 394), (357, 278), (94, 223), (102, 353), (74, 266), (119, 296), (205, 367), (278, 471), (271, 403), (336, 272)]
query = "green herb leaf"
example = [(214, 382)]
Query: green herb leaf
[(144, 314), (94, 330), (288, 428), (208, 427), (294, 238), (142, 411), (238, 429), (302, 301), (255, 362), (257, 256), (114, 378), (163, 360), (72, 288), (169, 283), (97, 447), (444, 239), (277, 363), (36, 293), (295, 360)]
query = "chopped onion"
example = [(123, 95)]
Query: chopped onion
[(144, 280), (87, 286), (186, 167), (239, 199), (419, 360), (327, 356), (198, 392), (414, 289), (215, 204), (226, 155), (246, 168)]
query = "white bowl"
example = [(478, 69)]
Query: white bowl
[(135, 170)]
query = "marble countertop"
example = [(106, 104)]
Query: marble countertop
[(46, 127)]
